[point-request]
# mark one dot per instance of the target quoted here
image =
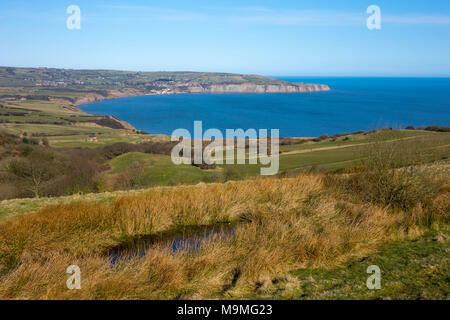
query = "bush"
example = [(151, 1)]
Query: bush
[(390, 175), (205, 166), (8, 191), (322, 137), (131, 179), (438, 129), (230, 173), (34, 170), (37, 170), (402, 188), (79, 175)]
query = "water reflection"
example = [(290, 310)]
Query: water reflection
[(188, 238)]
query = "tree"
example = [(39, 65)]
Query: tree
[(36, 169)]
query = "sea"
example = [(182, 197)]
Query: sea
[(352, 104)]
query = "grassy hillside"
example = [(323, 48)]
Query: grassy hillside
[(306, 236), (147, 170), (138, 166), (329, 154), (286, 224), (63, 125)]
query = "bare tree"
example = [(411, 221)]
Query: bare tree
[(34, 170)]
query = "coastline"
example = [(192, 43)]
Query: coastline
[(91, 98), (128, 93), (69, 89)]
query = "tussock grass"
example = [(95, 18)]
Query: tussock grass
[(393, 174), (312, 220), (292, 223)]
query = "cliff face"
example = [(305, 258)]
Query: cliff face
[(112, 94), (258, 88), (190, 87)]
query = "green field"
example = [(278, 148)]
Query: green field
[(149, 170), (62, 126), (348, 151), (158, 170)]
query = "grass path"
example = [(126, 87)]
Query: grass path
[(346, 146)]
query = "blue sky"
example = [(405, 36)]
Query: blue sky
[(314, 38)]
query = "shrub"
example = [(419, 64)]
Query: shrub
[(133, 178), (77, 175), (204, 166), (35, 170), (438, 128), (230, 173), (403, 188), (7, 139), (390, 175), (8, 191), (322, 137)]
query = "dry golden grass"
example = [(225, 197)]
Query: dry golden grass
[(306, 221)]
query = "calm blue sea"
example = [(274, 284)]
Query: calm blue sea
[(353, 104)]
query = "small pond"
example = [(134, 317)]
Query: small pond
[(187, 238)]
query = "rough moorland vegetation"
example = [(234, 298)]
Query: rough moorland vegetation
[(310, 220), (32, 169)]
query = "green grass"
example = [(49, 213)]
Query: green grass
[(122, 162), (50, 129), (76, 135), (159, 170), (355, 139), (326, 155), (61, 124), (412, 269), (105, 137), (44, 106), (328, 159)]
